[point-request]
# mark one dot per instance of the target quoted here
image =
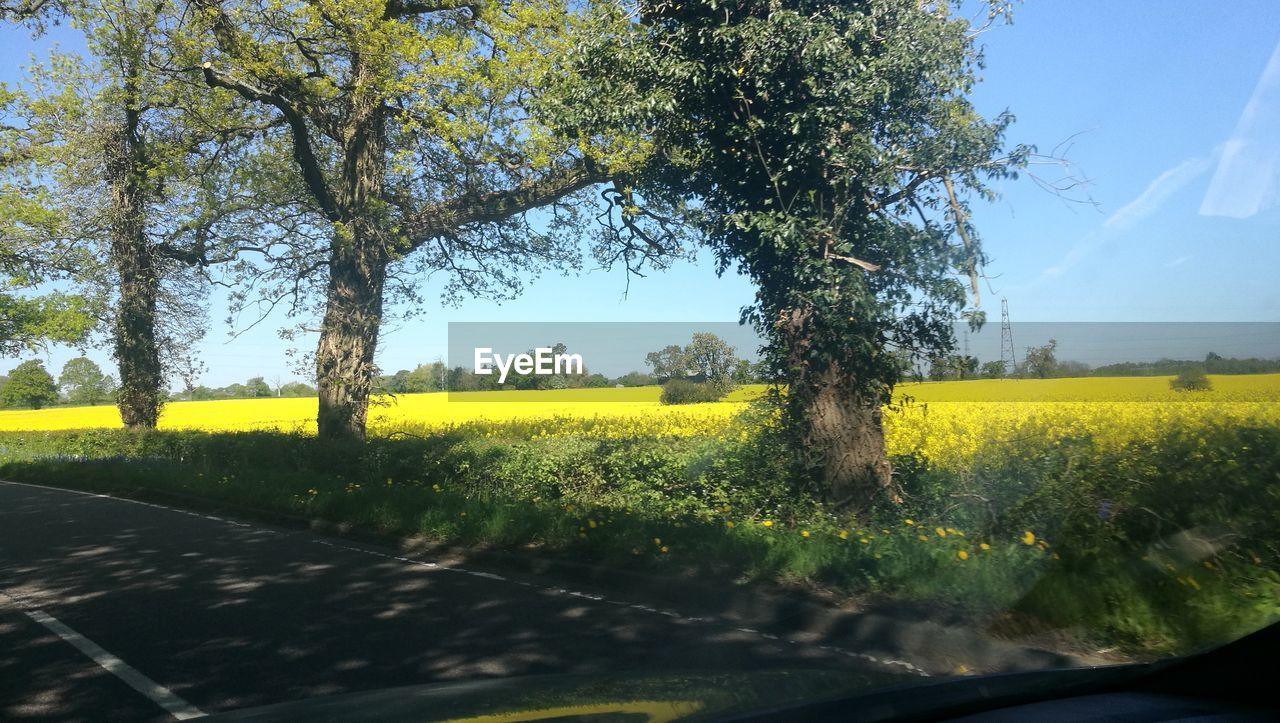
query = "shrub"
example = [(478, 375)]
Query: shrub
[(1192, 380), (681, 391)]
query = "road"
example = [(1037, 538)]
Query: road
[(112, 608)]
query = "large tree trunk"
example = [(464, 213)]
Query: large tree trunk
[(357, 274), (844, 431), (835, 421), (348, 340), (134, 326)]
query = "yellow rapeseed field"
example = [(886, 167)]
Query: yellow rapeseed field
[(945, 421)]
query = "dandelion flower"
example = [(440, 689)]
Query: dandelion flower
[(940, 532), (1028, 538), (922, 538), (663, 549), (804, 533), (767, 523), (844, 534), (962, 555), (984, 546), (729, 524), (909, 522)]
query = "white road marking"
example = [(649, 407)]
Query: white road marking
[(158, 694)]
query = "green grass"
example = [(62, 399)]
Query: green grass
[(724, 510)]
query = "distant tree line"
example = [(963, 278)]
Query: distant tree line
[(1041, 362), (253, 388)]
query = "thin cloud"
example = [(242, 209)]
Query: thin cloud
[(1247, 179), (1161, 188), (1155, 194), (1177, 262)]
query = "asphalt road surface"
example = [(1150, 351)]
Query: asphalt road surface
[(112, 608)]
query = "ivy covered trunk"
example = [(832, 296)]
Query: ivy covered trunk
[(134, 325), (349, 338), (358, 262), (844, 432), (836, 417)]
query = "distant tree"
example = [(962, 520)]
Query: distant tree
[(1192, 380), (939, 369), (202, 393), (668, 362), (397, 383), (993, 369), (1071, 368), (1040, 360), (257, 387), (297, 389), (636, 379), (425, 378), (595, 381), (84, 383), (29, 385), (712, 358)]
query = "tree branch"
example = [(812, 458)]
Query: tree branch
[(495, 206), (312, 173)]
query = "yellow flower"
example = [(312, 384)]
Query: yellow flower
[(804, 533), (984, 546), (657, 540), (962, 555), (864, 540), (663, 549), (922, 538), (844, 534), (1028, 538), (909, 522), (729, 524), (767, 523), (940, 532)]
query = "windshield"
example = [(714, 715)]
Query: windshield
[(743, 353)]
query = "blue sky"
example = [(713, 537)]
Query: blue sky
[(1173, 110)]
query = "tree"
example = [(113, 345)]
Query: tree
[(833, 151), (29, 385), (1040, 360), (29, 323), (257, 388), (134, 181), (636, 379), (993, 369), (1192, 380), (422, 134), (84, 383), (712, 358), (668, 362)]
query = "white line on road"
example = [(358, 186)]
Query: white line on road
[(160, 695)]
